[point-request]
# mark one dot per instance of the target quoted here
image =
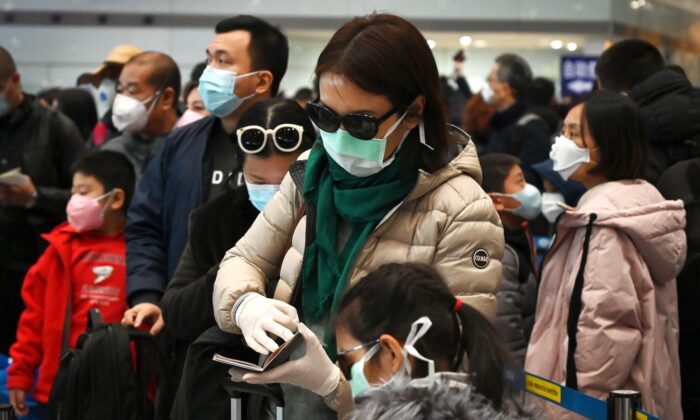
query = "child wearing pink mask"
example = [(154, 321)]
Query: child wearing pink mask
[(82, 268)]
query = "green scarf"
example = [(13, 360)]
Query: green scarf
[(360, 202)]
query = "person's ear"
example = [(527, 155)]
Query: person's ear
[(497, 202), (168, 99), (117, 199), (264, 82), (414, 113), (391, 353), (16, 78)]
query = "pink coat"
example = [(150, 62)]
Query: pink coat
[(627, 335)]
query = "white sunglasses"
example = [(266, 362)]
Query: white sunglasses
[(286, 137)]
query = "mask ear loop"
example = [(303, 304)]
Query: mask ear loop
[(421, 135), (419, 328)]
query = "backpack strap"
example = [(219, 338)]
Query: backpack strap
[(575, 307)]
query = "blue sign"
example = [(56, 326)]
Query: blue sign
[(577, 75)]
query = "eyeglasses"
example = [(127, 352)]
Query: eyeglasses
[(345, 367), (286, 137), (362, 126)]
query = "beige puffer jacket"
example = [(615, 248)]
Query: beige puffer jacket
[(446, 221)]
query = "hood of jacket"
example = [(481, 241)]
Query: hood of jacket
[(654, 225)]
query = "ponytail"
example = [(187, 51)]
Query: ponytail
[(487, 356)]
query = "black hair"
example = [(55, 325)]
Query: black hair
[(197, 71), (189, 87), (514, 70), (165, 73), (616, 124), (417, 290), (268, 47), (495, 168), (628, 63), (78, 105), (112, 170), (387, 55), (49, 95), (541, 91), (7, 64), (304, 94), (275, 111)]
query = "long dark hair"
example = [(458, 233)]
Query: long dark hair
[(386, 55), (390, 299), (616, 124)]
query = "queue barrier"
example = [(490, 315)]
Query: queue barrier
[(621, 405)]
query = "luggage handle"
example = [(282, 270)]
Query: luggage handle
[(95, 319)]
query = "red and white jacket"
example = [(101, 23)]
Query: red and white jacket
[(86, 268)]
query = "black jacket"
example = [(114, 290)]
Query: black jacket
[(215, 227), (50, 144), (671, 111)]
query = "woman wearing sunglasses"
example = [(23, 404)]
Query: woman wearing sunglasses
[(271, 134), (385, 183)]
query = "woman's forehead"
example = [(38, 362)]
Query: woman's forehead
[(343, 96)]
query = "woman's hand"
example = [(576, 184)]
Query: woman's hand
[(259, 315), (314, 371), (147, 313)]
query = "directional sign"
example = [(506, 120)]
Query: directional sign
[(577, 75)]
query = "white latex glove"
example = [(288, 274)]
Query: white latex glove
[(259, 315), (314, 371)]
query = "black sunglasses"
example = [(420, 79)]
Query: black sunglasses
[(362, 126)]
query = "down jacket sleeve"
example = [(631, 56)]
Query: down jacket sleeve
[(470, 250), (610, 329), (257, 257)]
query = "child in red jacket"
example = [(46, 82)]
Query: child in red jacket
[(83, 267)]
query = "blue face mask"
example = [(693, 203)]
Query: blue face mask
[(530, 200), (217, 88), (261, 194), (359, 382)]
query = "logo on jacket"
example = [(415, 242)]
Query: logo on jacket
[(102, 272), (480, 258)]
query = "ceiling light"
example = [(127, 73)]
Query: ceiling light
[(635, 4), (480, 43), (571, 46), (556, 44), (465, 41), (431, 44)]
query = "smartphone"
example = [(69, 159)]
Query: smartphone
[(275, 359)]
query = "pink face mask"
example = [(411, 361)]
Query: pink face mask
[(188, 117), (85, 213)]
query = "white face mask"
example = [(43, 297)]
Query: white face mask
[(567, 156), (104, 96), (550, 206), (487, 92), (131, 115)]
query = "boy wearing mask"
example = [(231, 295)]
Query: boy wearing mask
[(82, 268), (517, 202)]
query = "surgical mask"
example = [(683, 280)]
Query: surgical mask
[(550, 206), (567, 156), (359, 383), (261, 194), (217, 88), (85, 213), (131, 115), (188, 117), (487, 92), (363, 158), (530, 202)]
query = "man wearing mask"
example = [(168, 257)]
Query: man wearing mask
[(43, 144), (515, 130), (247, 58), (145, 107), (101, 83)]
